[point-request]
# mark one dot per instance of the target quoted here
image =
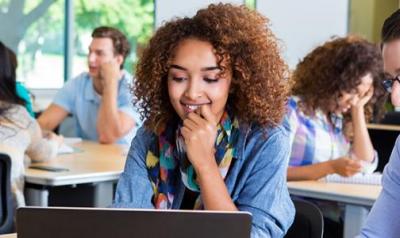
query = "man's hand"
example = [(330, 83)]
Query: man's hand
[(110, 73)]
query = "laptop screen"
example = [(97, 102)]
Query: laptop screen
[(53, 222)]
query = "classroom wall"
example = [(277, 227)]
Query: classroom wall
[(303, 25), (165, 10), (367, 17)]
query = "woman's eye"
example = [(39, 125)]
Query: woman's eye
[(211, 80), (178, 79)]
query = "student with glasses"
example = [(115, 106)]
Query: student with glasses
[(389, 81), (383, 219)]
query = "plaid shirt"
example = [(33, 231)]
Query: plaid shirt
[(314, 139)]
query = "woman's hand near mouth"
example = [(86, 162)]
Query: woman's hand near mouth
[(199, 132)]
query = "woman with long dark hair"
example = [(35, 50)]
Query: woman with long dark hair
[(20, 135)]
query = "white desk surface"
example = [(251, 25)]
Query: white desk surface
[(95, 163), (347, 193)]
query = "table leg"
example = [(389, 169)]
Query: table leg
[(37, 197), (103, 194), (354, 219)]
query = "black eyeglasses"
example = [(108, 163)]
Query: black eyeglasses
[(388, 82)]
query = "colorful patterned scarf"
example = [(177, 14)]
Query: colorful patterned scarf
[(166, 159)]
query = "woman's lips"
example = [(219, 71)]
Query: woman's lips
[(188, 108)]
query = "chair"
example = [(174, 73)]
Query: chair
[(6, 198), (308, 222)]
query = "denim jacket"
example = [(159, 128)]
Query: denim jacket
[(256, 181)]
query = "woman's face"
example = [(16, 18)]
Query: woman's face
[(349, 99), (194, 79)]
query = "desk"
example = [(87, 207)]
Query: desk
[(385, 127), (357, 199), (96, 163), (13, 235)]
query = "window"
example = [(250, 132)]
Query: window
[(135, 18), (35, 29)]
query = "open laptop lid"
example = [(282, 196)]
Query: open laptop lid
[(53, 222)]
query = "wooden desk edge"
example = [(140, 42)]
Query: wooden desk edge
[(384, 127)]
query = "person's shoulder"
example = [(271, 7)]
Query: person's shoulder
[(266, 145), (257, 131), (126, 78), (293, 104), (78, 81), (16, 109), (144, 135), (18, 114), (396, 156)]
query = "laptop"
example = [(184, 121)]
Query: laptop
[(50, 222)]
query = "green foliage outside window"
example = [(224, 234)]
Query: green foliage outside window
[(35, 30)]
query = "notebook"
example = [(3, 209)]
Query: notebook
[(50, 222), (360, 178)]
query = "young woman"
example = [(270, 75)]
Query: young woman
[(334, 88), (328, 113), (20, 135), (212, 91)]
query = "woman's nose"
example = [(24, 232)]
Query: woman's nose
[(194, 90)]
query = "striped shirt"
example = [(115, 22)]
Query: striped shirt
[(315, 139)]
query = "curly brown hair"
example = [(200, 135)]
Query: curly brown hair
[(238, 35), (335, 67)]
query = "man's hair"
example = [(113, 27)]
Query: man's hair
[(391, 27), (119, 40)]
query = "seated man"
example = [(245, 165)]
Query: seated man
[(99, 100)]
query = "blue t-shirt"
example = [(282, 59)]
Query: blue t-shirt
[(79, 98)]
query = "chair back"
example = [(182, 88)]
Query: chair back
[(6, 198), (308, 222)]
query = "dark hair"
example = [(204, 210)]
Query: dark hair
[(8, 66), (337, 66), (241, 36), (120, 42), (391, 27)]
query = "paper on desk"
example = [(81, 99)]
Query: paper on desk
[(65, 149), (72, 140), (372, 179)]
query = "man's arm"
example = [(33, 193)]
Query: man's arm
[(112, 124), (52, 117)]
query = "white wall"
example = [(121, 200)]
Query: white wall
[(167, 9), (303, 25)]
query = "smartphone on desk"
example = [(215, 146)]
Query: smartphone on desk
[(48, 168)]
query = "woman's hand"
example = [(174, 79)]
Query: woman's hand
[(360, 103), (200, 134), (345, 166), (54, 137)]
